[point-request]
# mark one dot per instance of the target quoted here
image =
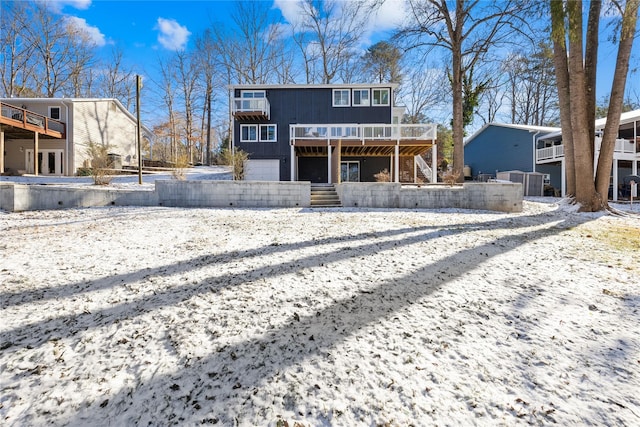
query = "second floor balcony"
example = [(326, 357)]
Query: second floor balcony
[(251, 109), (625, 149), (27, 121)]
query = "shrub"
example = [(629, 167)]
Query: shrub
[(178, 170), (450, 177), (236, 160), (99, 161), (383, 176)]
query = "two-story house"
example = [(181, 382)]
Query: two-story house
[(328, 134), (626, 156), (505, 147), (59, 131)]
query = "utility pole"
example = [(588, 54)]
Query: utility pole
[(138, 87)]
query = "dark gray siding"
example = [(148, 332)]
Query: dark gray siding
[(500, 149), (302, 106)]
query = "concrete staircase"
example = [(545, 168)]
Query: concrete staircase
[(324, 196)]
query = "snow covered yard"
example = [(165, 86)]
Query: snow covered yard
[(136, 316)]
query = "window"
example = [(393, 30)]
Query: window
[(268, 133), (253, 94), (341, 97), (248, 97), (380, 96), (54, 113), (248, 133), (361, 97)]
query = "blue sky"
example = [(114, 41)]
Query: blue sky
[(146, 29)]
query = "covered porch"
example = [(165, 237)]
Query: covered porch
[(343, 149), (24, 133)]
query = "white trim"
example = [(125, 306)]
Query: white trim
[(380, 89), (347, 163), (275, 132), (59, 168), (248, 134), (361, 91), (333, 97), (51, 107), (393, 86), (253, 91)]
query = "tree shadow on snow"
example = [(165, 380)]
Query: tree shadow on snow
[(231, 371)]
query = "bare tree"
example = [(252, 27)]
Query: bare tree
[(116, 80), (382, 63), (61, 55), (16, 49), (468, 32), (188, 72), (328, 34), (575, 71), (420, 94)]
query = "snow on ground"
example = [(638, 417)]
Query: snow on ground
[(125, 181), (159, 316)]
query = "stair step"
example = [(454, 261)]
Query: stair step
[(324, 195)]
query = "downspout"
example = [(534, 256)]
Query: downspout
[(534, 148), (67, 169)]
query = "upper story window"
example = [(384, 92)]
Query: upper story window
[(253, 94), (341, 97), (249, 98), (268, 133), (54, 113), (248, 133), (361, 97), (380, 96)]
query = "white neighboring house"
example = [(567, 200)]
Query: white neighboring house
[(60, 129), (626, 155)]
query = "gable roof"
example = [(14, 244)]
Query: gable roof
[(529, 128)]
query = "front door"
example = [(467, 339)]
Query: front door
[(350, 171)]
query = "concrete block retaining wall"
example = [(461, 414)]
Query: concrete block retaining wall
[(503, 197), (20, 197), (249, 194)]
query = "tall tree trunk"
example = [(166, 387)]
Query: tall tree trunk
[(590, 65), (605, 160), (585, 187), (562, 81), (456, 86)]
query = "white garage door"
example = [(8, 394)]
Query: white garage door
[(262, 170)]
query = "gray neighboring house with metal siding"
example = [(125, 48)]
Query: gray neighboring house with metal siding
[(327, 133), (498, 147)]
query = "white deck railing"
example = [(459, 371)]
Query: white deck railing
[(556, 152), (252, 105), (424, 167), (550, 153), (364, 132)]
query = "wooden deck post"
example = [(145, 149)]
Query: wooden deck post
[(396, 172), (35, 153), (1, 152), (434, 163)]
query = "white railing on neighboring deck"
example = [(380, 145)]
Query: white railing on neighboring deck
[(252, 105), (424, 167), (368, 132), (550, 153), (622, 146)]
